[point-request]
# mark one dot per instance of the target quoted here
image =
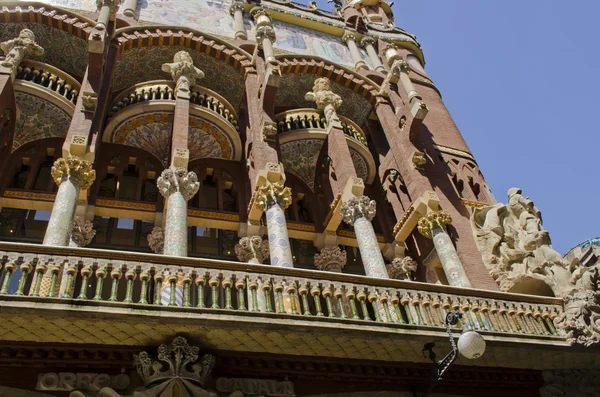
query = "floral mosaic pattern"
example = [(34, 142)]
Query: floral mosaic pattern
[(146, 62), (293, 87), (279, 242), (38, 119), (152, 133), (206, 140), (300, 158), (369, 249), (62, 50)]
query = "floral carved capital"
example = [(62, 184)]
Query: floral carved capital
[(402, 268), (178, 179), (253, 247), (15, 49), (272, 193), (431, 220), (265, 32), (78, 170), (156, 239), (183, 72), (358, 207), (82, 232), (331, 259)]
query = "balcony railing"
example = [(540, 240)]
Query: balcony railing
[(49, 77), (165, 90), (136, 280), (304, 119)]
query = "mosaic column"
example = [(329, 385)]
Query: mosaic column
[(237, 12), (16, 49), (368, 43), (71, 176), (433, 226), (275, 198), (177, 185), (254, 250), (359, 211), (265, 33), (350, 39)]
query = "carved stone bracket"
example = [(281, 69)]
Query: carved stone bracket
[(273, 193), (80, 171), (82, 232), (432, 220), (183, 72), (418, 160), (16, 49), (402, 268), (175, 179), (252, 248), (156, 239), (89, 102), (331, 259), (357, 207)]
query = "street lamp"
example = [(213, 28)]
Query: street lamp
[(471, 345)]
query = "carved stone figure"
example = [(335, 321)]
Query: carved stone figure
[(183, 71), (252, 249), (82, 232), (177, 179), (331, 259), (402, 268), (16, 49), (325, 98), (517, 252), (156, 239), (571, 383)]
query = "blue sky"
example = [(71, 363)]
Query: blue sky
[(521, 80)]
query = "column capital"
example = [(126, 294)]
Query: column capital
[(402, 268), (236, 6), (82, 232), (273, 193), (367, 40), (349, 35), (325, 99), (156, 239), (16, 49), (76, 168), (183, 72), (175, 179), (431, 220), (113, 4), (357, 207), (265, 32), (252, 248), (331, 259)]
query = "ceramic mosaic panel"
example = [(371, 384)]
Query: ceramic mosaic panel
[(369, 249), (147, 61), (279, 242), (62, 50), (38, 119), (207, 140), (293, 87), (300, 158)]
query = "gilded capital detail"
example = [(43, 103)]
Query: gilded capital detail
[(432, 220), (358, 207), (272, 193), (183, 72), (324, 98), (252, 249), (177, 179), (331, 259), (16, 49), (402, 268), (78, 170)]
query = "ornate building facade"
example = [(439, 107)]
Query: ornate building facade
[(230, 198)]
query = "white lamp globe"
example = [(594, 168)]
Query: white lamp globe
[(471, 345)]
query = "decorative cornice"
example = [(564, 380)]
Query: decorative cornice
[(456, 152), (135, 205), (332, 209), (403, 220), (28, 195), (222, 216)]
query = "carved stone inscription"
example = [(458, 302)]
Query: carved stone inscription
[(67, 381), (255, 387)]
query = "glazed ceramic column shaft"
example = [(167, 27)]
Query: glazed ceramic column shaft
[(350, 40), (177, 185), (275, 198), (237, 12), (359, 211), (368, 43), (432, 226), (71, 176)]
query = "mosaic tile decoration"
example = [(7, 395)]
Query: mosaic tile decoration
[(38, 119), (147, 61), (293, 87), (152, 133), (300, 158), (62, 50)]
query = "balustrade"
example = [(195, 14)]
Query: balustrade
[(49, 77), (305, 119), (165, 90), (211, 285)]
